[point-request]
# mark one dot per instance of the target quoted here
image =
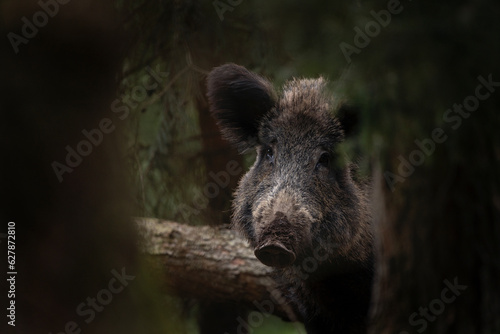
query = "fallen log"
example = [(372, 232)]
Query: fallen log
[(210, 263)]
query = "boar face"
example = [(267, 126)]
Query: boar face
[(296, 197)]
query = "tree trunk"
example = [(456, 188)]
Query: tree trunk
[(438, 184), (210, 264), (217, 153)]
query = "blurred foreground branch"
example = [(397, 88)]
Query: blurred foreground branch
[(210, 263)]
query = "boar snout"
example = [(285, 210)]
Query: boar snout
[(276, 243), (275, 254)]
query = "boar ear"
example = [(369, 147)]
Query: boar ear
[(348, 117), (238, 100)]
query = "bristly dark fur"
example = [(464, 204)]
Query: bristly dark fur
[(297, 198)]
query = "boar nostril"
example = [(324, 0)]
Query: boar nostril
[(275, 255)]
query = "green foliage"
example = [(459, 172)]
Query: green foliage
[(274, 325)]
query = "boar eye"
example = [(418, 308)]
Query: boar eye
[(323, 161), (269, 154)]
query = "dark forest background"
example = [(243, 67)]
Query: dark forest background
[(143, 64)]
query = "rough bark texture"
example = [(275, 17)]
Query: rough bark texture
[(209, 263)]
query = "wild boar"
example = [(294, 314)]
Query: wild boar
[(304, 213)]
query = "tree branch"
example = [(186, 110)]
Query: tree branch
[(212, 264)]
